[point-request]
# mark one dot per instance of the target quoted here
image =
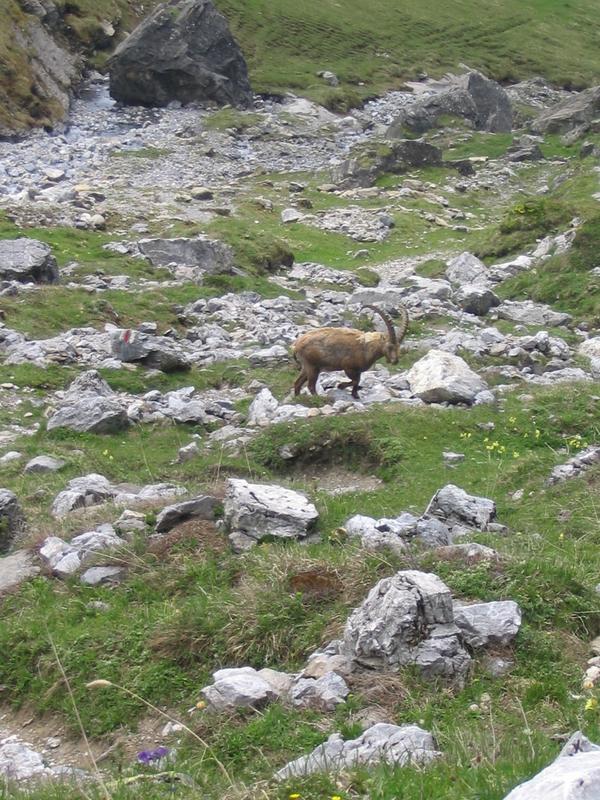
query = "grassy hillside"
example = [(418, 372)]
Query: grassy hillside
[(381, 42)]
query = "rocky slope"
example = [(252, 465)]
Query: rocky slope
[(348, 587)]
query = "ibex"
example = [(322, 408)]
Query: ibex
[(346, 349)]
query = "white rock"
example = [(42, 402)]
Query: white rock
[(239, 687), (441, 377), (254, 511), (483, 624), (381, 743)]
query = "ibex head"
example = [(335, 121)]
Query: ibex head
[(391, 349)]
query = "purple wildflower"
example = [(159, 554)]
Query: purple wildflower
[(148, 756)]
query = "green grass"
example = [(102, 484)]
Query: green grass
[(565, 280), (286, 44)]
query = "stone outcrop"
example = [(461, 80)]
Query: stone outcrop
[(408, 619), (198, 507), (399, 745), (89, 406), (11, 518), (453, 505), (204, 254), (183, 51), (368, 161), (256, 511), (27, 261), (575, 113), (441, 377), (47, 70), (574, 775), (472, 97), (155, 352), (483, 624)]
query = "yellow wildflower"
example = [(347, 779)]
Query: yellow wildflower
[(591, 704)]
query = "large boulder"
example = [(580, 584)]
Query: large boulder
[(369, 161), (472, 97), (574, 775), (467, 269), (238, 687), (27, 261), (577, 111), (183, 51), (483, 624), (408, 619), (256, 511), (155, 352), (89, 406), (454, 506), (207, 255), (399, 745), (16, 568), (11, 518), (441, 377)]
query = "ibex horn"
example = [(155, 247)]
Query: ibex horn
[(389, 324)]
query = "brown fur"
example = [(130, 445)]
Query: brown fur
[(330, 349)]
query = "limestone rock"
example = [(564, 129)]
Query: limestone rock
[(183, 51), (255, 511), (575, 112), (454, 506), (323, 693), (239, 687), (41, 464), (471, 96), (408, 619), (529, 313), (202, 507), (27, 260), (476, 299), (575, 775), (382, 743), (156, 352), (16, 568), (467, 269), (89, 405), (368, 161), (441, 377), (11, 518), (483, 624), (207, 255)]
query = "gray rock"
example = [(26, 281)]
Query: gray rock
[(90, 414), (262, 409), (20, 763), (529, 313), (89, 405), (375, 534), (239, 687), (472, 97), (10, 457), (469, 552), (590, 348), (575, 466), (467, 269), (187, 453), (82, 492), (41, 464), (441, 377), (575, 112), (483, 624), (323, 694), (454, 506), (130, 522), (67, 558), (408, 619), (290, 215), (201, 507), (254, 511), (16, 568), (95, 576), (207, 255), (183, 51), (11, 518), (381, 743), (368, 161), (476, 299), (27, 260), (575, 775), (155, 352)]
